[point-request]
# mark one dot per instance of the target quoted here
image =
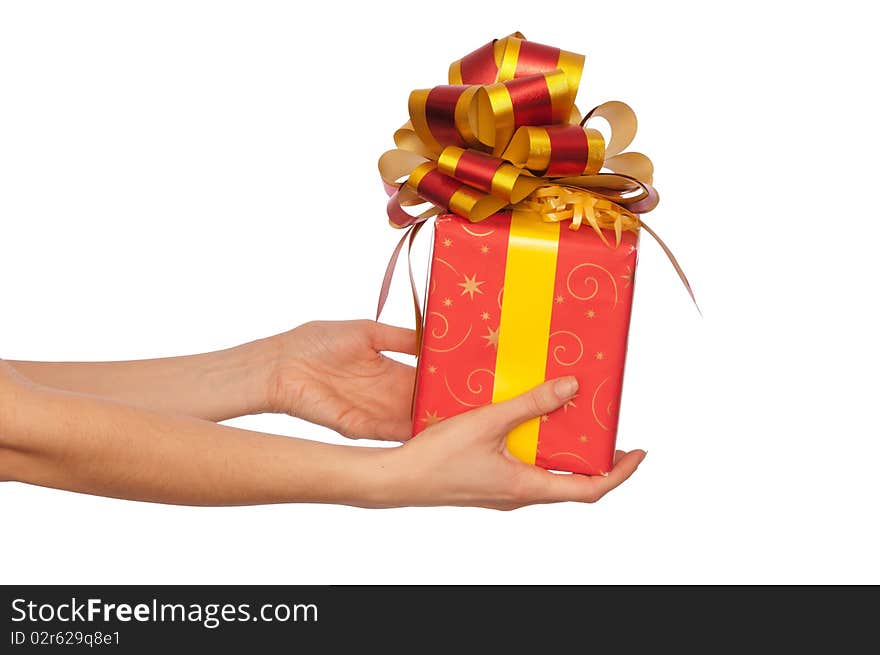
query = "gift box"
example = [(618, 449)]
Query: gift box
[(512, 302), (535, 244)]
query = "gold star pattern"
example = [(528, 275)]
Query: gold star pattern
[(590, 314), (431, 418), (583, 438), (447, 302), (570, 403), (628, 276), (485, 316), (544, 418), (471, 285), (447, 242), (432, 369), (599, 355), (632, 249), (491, 338), (484, 249), (560, 300)]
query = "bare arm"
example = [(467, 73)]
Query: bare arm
[(214, 386), (87, 444), (332, 373)]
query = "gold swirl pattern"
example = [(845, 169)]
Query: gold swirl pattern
[(593, 281), (459, 400), (560, 348), (446, 263), (479, 388), (456, 346), (500, 293), (593, 405), (476, 234), (444, 331)]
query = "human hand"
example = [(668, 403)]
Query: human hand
[(333, 373), (464, 460)]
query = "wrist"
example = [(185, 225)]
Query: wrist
[(284, 374), (383, 478), (390, 478), (363, 477), (253, 366)]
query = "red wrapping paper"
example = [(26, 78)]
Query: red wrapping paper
[(589, 324)]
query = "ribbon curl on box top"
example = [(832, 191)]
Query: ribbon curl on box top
[(505, 134)]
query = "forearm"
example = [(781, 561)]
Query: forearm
[(90, 445), (212, 386)]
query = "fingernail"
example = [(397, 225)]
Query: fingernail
[(566, 387)]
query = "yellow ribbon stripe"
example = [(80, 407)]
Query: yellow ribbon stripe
[(524, 332)]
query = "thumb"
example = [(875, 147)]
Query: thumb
[(543, 399)]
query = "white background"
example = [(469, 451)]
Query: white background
[(178, 177)]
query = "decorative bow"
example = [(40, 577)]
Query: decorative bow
[(505, 133)]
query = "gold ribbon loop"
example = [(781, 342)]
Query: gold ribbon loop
[(498, 109), (397, 164), (482, 65), (445, 191), (513, 56), (557, 150), (441, 116), (621, 120), (487, 173), (632, 164)]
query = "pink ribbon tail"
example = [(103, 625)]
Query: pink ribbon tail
[(675, 265)]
